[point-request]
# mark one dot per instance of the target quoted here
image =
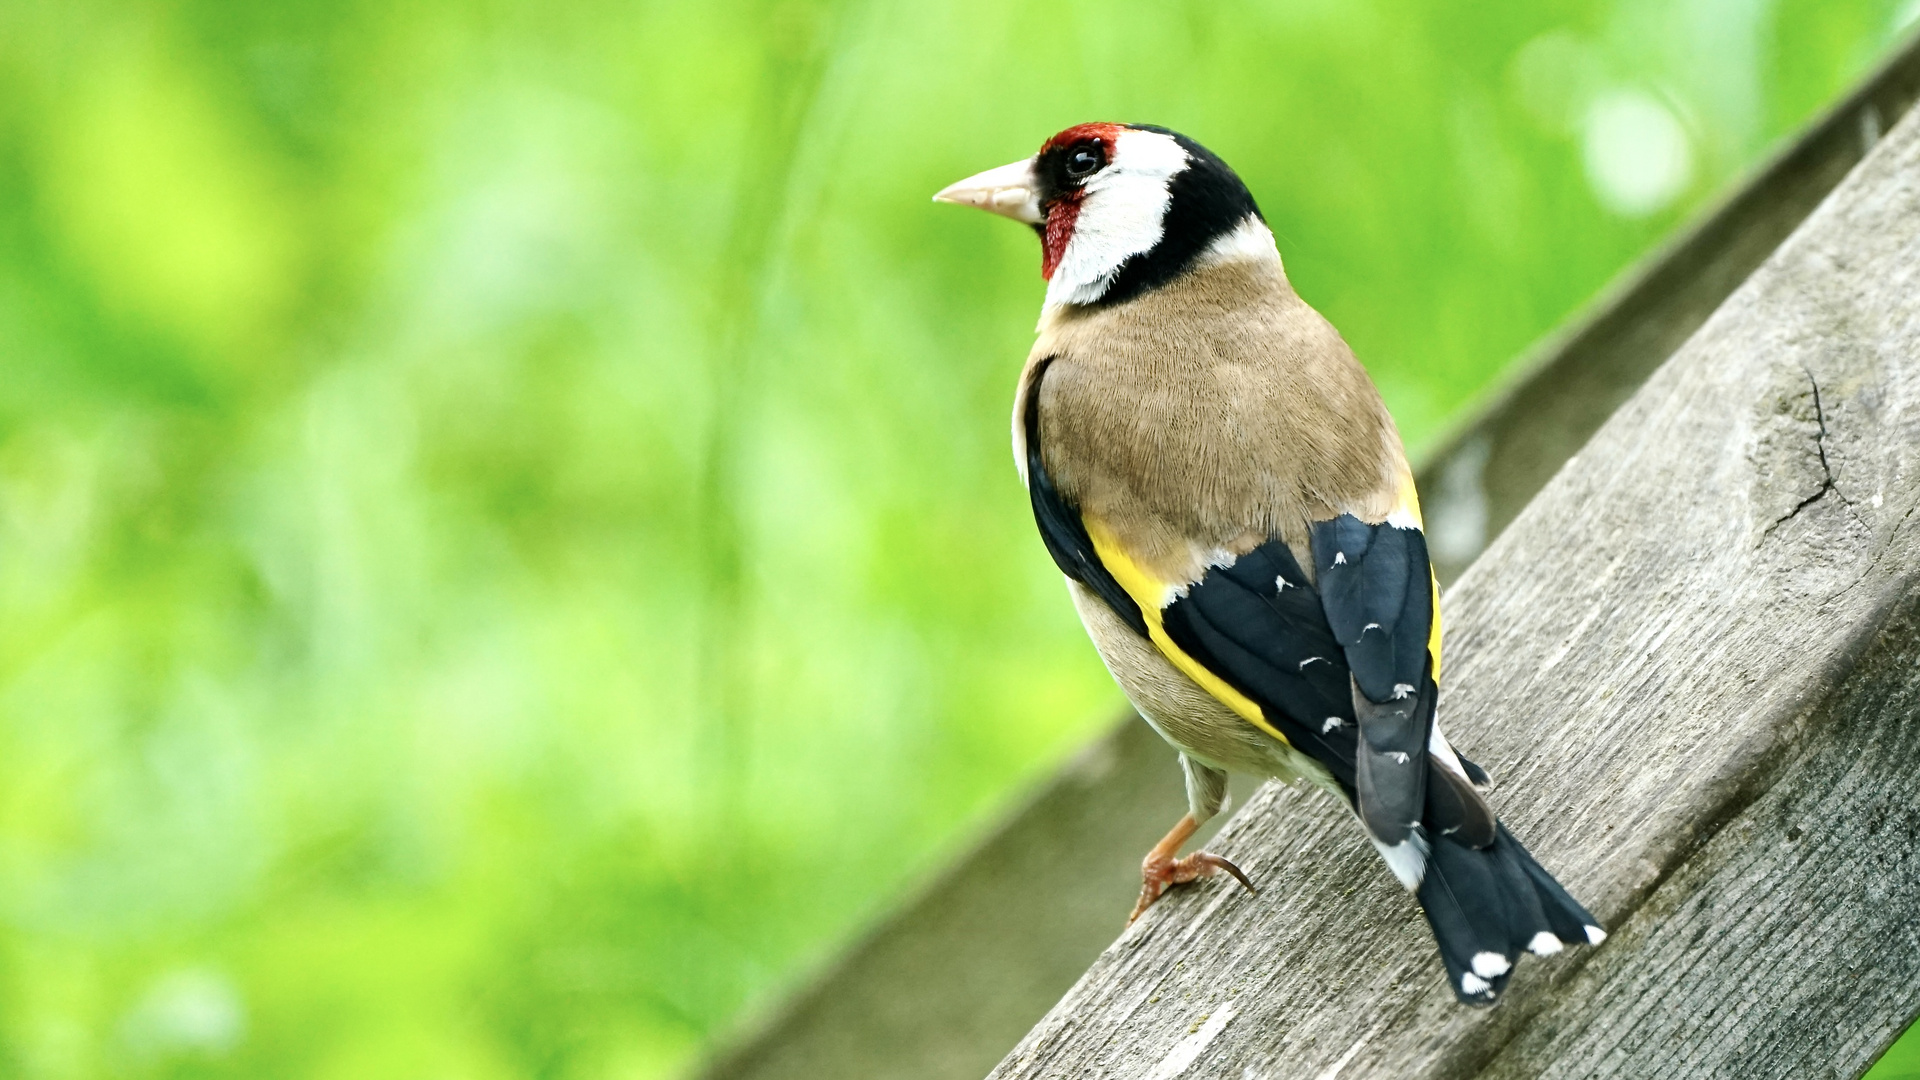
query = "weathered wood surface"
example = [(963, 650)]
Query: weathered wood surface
[(940, 989), (1691, 666)]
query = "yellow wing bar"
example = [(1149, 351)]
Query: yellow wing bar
[(1153, 595), (1409, 504)]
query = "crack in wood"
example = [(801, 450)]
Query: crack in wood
[(1827, 482)]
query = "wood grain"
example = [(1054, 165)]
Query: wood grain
[(1690, 666)]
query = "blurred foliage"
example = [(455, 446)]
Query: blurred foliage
[(508, 547)]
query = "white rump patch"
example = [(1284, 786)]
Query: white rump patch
[(1595, 935), (1490, 965), (1544, 944), (1407, 859), (1474, 985), (1122, 214), (1438, 746)]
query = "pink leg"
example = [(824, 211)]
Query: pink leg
[(1161, 869)]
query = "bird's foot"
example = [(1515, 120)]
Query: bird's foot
[(1161, 871)]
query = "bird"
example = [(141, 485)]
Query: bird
[(1226, 494)]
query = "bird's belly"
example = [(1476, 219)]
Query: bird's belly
[(1185, 715)]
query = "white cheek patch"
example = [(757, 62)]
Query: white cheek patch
[(1122, 214)]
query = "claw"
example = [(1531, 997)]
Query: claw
[(1227, 865), (1157, 874)]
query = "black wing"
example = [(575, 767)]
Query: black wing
[(1377, 590), (1258, 625)]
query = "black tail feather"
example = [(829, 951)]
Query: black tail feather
[(1476, 775), (1491, 904), (1568, 920)]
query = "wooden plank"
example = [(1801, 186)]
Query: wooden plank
[(963, 968), (1823, 868), (1690, 665)]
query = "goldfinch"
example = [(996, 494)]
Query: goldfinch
[(1228, 498)]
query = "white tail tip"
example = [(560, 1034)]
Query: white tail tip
[(1491, 965)]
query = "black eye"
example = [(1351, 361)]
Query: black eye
[(1084, 160)]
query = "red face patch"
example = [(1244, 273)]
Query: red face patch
[(1063, 210), (1061, 215)]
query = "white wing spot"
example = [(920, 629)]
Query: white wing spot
[(1311, 659), (1401, 690), (1332, 722), (1280, 585), (1221, 558), (1370, 626), (1339, 558), (1399, 757)]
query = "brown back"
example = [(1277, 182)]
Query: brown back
[(1210, 415)]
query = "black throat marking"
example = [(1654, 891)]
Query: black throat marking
[(1208, 201)]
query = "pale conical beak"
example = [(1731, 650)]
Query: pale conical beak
[(1009, 191)]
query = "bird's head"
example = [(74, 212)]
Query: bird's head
[(1120, 209)]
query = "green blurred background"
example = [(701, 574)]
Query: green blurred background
[(508, 548)]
